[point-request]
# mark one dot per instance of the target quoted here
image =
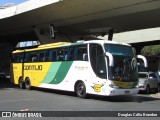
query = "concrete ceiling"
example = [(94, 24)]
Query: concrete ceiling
[(81, 17)]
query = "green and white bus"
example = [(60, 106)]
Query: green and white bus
[(96, 67)]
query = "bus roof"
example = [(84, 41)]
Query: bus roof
[(61, 44)]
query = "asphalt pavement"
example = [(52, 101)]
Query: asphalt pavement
[(6, 84), (14, 99)]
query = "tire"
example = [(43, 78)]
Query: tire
[(81, 90), (148, 90), (155, 90), (21, 84), (28, 84)]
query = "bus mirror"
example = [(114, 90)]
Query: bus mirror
[(111, 59), (144, 60)]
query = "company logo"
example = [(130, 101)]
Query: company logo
[(32, 67), (97, 87)]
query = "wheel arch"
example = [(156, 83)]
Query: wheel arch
[(20, 78)]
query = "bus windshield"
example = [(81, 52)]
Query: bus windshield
[(115, 49), (125, 64)]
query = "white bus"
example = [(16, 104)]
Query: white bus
[(96, 67)]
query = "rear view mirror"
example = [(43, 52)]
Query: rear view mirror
[(144, 60), (111, 59)]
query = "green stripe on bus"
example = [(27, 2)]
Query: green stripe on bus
[(62, 72), (57, 72), (51, 72)]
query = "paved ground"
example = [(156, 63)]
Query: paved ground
[(15, 99)]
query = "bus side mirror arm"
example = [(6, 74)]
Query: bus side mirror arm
[(111, 59), (144, 60)]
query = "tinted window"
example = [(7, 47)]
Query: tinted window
[(119, 49), (17, 57), (97, 60), (58, 54), (80, 53)]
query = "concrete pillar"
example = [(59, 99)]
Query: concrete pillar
[(5, 58)]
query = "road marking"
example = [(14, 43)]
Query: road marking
[(16, 100), (25, 110)]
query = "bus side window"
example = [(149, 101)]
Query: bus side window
[(66, 53), (71, 53), (47, 56), (60, 55), (31, 57), (75, 53), (34, 57), (50, 55), (17, 58), (41, 57), (53, 55), (27, 57), (80, 53)]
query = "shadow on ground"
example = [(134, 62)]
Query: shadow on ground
[(5, 84)]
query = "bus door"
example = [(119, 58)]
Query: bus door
[(97, 60)]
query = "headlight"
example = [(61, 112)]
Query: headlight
[(112, 85)]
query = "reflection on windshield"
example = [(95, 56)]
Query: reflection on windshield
[(115, 49), (125, 69), (125, 64)]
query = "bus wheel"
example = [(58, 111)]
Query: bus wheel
[(27, 84), (81, 90), (21, 83)]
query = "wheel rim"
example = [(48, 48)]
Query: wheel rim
[(20, 83), (27, 84), (81, 90)]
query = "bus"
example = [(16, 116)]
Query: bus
[(97, 67)]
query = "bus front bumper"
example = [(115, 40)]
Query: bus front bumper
[(114, 92)]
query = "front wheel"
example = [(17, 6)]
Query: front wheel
[(81, 90)]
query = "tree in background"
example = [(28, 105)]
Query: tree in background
[(151, 50)]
